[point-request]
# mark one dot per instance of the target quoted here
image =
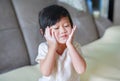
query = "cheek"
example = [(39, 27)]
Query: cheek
[(69, 30), (56, 34)]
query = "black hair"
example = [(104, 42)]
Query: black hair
[(52, 14)]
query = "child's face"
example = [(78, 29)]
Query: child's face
[(62, 30)]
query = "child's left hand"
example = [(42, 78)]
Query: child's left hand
[(70, 39)]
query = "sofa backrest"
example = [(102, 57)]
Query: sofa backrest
[(13, 52), (27, 15)]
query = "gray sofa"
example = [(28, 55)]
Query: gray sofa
[(20, 36)]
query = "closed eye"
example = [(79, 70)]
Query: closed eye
[(66, 26), (56, 28)]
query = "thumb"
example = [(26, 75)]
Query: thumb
[(73, 30), (53, 35)]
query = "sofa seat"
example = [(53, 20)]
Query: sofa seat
[(102, 57), (26, 73)]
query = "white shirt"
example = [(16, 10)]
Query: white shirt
[(64, 70)]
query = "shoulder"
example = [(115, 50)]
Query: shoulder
[(43, 45), (42, 51)]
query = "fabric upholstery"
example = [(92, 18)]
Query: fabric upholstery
[(102, 57), (102, 24), (13, 52), (27, 14), (26, 73)]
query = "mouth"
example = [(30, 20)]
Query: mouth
[(64, 36)]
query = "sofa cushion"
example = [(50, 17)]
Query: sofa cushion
[(13, 52), (102, 57), (26, 73), (27, 14)]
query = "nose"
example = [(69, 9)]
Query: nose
[(63, 30)]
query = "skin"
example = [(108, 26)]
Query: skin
[(59, 37)]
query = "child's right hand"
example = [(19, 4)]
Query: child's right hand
[(50, 38)]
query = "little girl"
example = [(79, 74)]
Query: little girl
[(59, 57)]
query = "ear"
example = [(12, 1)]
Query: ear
[(41, 31)]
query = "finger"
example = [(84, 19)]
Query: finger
[(73, 30), (45, 30), (53, 34), (48, 31)]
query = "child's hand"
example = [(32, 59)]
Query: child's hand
[(70, 39), (50, 37)]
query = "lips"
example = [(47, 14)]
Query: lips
[(64, 36)]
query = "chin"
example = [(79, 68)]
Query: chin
[(63, 42)]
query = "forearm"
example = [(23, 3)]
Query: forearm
[(77, 60), (48, 64)]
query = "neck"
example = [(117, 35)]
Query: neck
[(61, 48)]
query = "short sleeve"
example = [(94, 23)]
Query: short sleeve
[(42, 51)]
